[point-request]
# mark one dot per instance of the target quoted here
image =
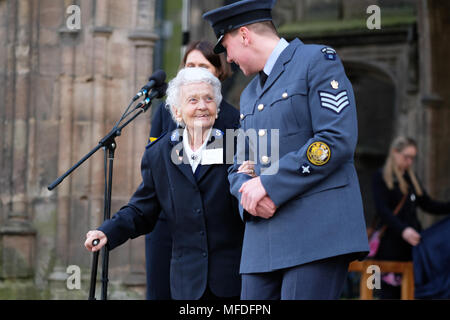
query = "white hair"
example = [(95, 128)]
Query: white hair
[(187, 76)]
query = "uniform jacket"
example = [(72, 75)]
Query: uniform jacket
[(202, 215), (162, 122), (306, 107)]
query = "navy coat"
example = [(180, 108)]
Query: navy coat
[(306, 127), (202, 215), (158, 243)]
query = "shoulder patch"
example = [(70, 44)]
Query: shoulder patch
[(176, 135), (218, 133), (153, 140), (329, 53), (318, 153)]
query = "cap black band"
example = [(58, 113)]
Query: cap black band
[(249, 17)]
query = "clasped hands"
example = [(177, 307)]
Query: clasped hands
[(254, 197)]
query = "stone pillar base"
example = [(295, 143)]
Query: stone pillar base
[(16, 250), (57, 283), (21, 290)]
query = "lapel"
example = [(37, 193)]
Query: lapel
[(176, 139), (202, 169), (216, 136), (279, 66)]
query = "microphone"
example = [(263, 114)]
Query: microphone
[(156, 80), (161, 90), (157, 93)]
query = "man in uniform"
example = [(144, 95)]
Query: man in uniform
[(304, 220)]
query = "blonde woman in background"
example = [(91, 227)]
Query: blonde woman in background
[(396, 186)]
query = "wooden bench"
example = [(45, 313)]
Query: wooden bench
[(405, 268)]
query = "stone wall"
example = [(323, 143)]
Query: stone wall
[(61, 90)]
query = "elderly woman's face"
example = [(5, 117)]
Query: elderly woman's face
[(198, 107)]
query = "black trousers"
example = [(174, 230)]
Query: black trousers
[(209, 295)]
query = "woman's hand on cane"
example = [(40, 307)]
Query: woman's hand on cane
[(95, 240)]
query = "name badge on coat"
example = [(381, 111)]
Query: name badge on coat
[(212, 156)]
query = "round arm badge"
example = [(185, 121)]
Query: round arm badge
[(318, 153)]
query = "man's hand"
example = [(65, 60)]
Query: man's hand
[(252, 193), (265, 208)]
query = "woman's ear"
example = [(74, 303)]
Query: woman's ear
[(177, 114)]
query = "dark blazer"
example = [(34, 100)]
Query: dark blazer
[(392, 245), (202, 215), (158, 243)]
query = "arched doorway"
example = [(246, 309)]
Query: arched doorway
[(375, 95)]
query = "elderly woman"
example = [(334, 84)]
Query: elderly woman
[(158, 243), (184, 174)]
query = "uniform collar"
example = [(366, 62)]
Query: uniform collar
[(282, 44), (279, 66)]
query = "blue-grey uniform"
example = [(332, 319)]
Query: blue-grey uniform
[(308, 103), (201, 214), (304, 120)]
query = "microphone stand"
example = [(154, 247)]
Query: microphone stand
[(109, 145)]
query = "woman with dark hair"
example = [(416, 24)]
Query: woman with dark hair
[(397, 194), (158, 244)]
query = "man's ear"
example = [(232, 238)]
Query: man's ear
[(245, 35)]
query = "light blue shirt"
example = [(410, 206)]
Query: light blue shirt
[(282, 44)]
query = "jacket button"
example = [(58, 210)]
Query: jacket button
[(204, 254), (198, 211), (242, 116), (284, 95), (260, 107), (265, 159), (261, 132)]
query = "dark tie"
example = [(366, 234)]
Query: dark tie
[(262, 78)]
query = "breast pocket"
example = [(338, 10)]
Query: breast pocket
[(247, 109), (289, 108)]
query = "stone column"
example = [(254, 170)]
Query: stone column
[(142, 39), (16, 233), (61, 90), (434, 45), (67, 41)]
